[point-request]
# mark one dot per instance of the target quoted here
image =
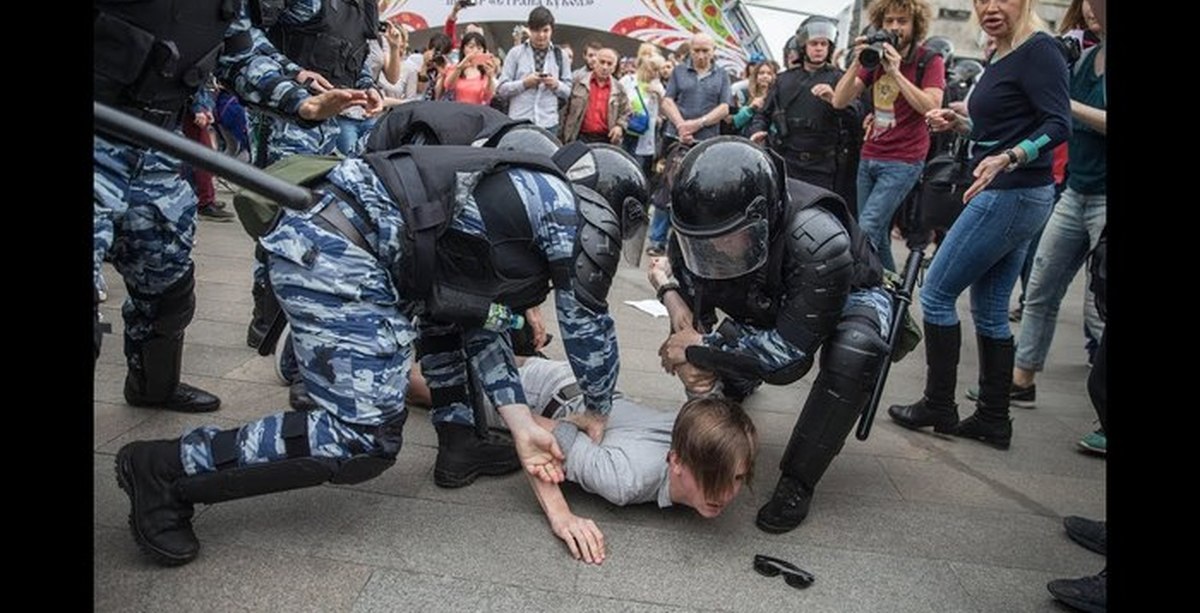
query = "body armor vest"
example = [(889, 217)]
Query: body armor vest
[(461, 275), (152, 55), (804, 122), (335, 43), (451, 123)]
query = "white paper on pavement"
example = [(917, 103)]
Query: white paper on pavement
[(651, 306)]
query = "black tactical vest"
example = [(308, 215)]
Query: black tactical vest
[(461, 275), (335, 43), (450, 123), (811, 123), (152, 54)]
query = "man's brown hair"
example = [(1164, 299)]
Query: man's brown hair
[(920, 10), (715, 438)]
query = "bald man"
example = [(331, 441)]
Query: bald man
[(598, 110), (697, 95)]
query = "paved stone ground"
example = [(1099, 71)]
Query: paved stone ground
[(902, 522)]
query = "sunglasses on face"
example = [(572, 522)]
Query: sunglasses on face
[(792, 574)]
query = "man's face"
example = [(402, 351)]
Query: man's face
[(589, 57), (900, 22), (687, 489), (603, 64), (540, 38), (817, 50), (702, 53)]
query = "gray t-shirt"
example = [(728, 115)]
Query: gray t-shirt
[(630, 465)]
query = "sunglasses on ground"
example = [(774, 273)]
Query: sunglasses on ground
[(792, 574)]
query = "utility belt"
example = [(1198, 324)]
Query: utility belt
[(812, 156), (564, 395), (167, 120)]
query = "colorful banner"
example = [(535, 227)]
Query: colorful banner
[(666, 23)]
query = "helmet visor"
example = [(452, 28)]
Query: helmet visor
[(634, 226), (820, 29), (728, 255)]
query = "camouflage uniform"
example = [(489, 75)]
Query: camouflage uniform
[(144, 212), (354, 333)]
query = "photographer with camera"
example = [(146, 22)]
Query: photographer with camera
[(896, 142), (798, 120)]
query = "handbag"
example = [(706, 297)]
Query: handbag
[(639, 122), (944, 180)]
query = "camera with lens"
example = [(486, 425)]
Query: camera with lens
[(872, 55), (1070, 47), (383, 26)]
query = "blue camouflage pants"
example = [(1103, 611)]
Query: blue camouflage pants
[(288, 138), (144, 217), (353, 336)]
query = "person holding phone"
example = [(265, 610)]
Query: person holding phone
[(535, 75), (473, 79)]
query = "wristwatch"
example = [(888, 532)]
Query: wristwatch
[(1013, 161)]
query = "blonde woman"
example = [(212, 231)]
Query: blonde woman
[(1018, 112)]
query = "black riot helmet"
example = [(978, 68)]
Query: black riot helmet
[(941, 46), (793, 52), (527, 137), (966, 71), (726, 195), (815, 27), (620, 180)]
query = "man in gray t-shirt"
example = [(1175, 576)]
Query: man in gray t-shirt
[(697, 95), (699, 456)]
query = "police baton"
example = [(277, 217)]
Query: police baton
[(133, 129), (912, 269)]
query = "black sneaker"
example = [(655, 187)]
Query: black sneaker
[(1020, 397), (786, 509), (1092, 534), (215, 212), (656, 252), (1085, 594)]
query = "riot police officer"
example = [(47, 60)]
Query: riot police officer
[(798, 121), (789, 267), (438, 233), (148, 58), (325, 44)]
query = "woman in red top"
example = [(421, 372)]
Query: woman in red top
[(473, 79)]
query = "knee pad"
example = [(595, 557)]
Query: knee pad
[(298, 470), (855, 352), (176, 305)]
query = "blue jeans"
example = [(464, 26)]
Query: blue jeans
[(351, 131), (882, 186), (984, 251), (1071, 233), (660, 223)]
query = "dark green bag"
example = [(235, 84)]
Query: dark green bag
[(257, 211), (909, 332)]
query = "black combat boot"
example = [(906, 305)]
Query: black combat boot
[(160, 520), (153, 378), (787, 508), (936, 408), (990, 423), (299, 398), (463, 456)]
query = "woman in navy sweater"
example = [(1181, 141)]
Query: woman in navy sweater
[(1018, 112)]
